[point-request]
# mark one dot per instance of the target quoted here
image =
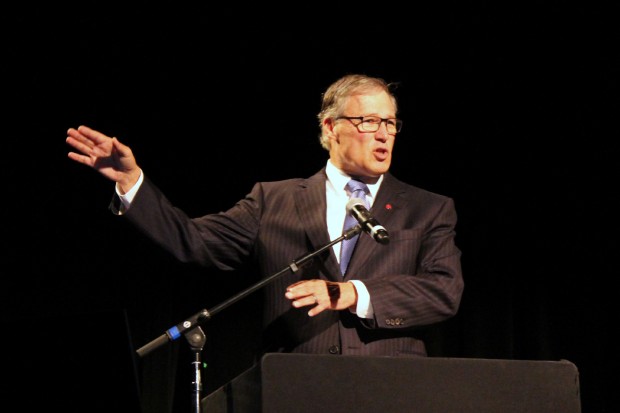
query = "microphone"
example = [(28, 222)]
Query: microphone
[(357, 208)]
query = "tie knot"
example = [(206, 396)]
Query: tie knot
[(357, 188)]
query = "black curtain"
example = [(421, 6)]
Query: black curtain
[(510, 110)]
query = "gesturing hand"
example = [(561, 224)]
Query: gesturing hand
[(107, 155), (324, 295)]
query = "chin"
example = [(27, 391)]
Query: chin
[(379, 168)]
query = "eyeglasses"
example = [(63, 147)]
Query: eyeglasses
[(373, 123)]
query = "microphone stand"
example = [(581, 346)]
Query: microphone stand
[(191, 327)]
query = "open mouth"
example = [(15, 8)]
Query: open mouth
[(381, 154)]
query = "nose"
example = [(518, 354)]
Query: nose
[(382, 133)]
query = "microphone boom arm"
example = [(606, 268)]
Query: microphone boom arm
[(202, 316)]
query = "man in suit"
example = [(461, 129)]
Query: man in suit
[(388, 291)]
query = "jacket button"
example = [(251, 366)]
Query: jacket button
[(334, 349)]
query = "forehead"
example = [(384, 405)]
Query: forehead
[(369, 103)]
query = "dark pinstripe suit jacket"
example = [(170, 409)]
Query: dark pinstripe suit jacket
[(413, 281)]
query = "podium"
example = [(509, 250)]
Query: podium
[(305, 383)]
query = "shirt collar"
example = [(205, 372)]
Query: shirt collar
[(339, 179)]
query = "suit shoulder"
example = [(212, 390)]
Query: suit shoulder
[(282, 184), (316, 179), (413, 191)]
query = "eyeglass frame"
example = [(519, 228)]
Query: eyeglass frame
[(398, 123)]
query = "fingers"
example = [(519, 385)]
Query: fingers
[(302, 294), (317, 309), (306, 301), (322, 295), (81, 144), (83, 159), (86, 139), (73, 136), (92, 145), (93, 135), (305, 293)]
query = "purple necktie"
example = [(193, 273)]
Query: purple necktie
[(358, 190)]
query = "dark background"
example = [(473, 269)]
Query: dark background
[(512, 110)]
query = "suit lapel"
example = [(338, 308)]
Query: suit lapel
[(311, 204), (389, 201)]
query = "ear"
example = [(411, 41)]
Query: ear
[(328, 127), (328, 124)]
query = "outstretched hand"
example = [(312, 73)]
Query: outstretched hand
[(105, 154)]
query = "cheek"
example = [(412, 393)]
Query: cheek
[(349, 142), (357, 147)]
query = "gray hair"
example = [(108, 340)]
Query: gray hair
[(338, 92)]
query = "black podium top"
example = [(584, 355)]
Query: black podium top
[(303, 383)]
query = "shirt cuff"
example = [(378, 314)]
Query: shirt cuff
[(363, 309), (127, 198)]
